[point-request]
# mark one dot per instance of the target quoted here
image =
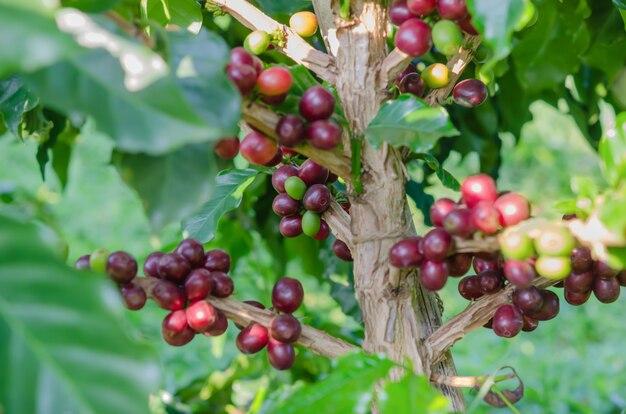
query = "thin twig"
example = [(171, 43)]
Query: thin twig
[(130, 29)]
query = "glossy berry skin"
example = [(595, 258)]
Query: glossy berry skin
[(342, 251), (311, 223), (134, 296), (490, 282), (257, 42), (281, 356), (168, 296), (405, 254), (486, 218), (576, 298), (433, 275), (217, 259), (304, 23), (223, 285), (470, 93), (437, 244), (243, 76), (621, 277), (606, 290), (410, 69), (287, 295), (284, 206), (317, 198), (528, 300), (439, 210), (277, 159), (603, 270), (581, 260), (452, 9), (285, 328), (295, 187), (520, 273), (555, 241), (312, 173), (413, 37), (413, 84), (579, 282), (550, 307), (399, 12), (459, 264), (469, 288), (191, 250), (174, 267), (436, 75), (466, 25), (274, 100), (459, 223), (82, 263), (480, 265), (220, 326), (513, 208), (199, 285), (98, 260), (274, 81), (121, 267), (530, 324), (227, 148), (240, 56), (201, 316), (175, 330), (257, 148), (507, 321), (252, 339), (447, 37), (317, 103), (421, 7), (151, 265), (323, 232), (291, 226), (323, 134), (280, 176), (477, 188), (553, 267), (290, 131)]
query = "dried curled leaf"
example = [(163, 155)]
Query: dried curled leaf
[(512, 396)]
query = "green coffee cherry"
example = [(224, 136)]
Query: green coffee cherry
[(447, 37), (257, 42), (556, 268), (516, 245), (98, 260), (295, 187), (555, 241), (311, 223)]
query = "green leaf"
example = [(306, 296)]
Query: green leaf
[(229, 188), (15, 100), (347, 389), (616, 257), (612, 151), (412, 394), (607, 49), (91, 6), (274, 7), (61, 341), (411, 122), (185, 14), (611, 213), (445, 177), (171, 186), (621, 4)]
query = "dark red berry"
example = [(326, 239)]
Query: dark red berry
[(433, 275), (342, 251), (168, 296), (413, 84), (277, 159), (201, 316), (452, 9), (440, 209), (283, 205), (507, 321), (576, 298), (413, 37), (485, 217), (469, 288), (291, 226), (217, 259), (622, 278), (223, 285), (175, 329), (280, 176), (290, 131), (243, 76), (240, 56), (480, 265), (606, 290), (405, 254), (550, 307), (312, 173), (191, 250), (459, 264), (257, 148), (459, 223), (274, 100), (323, 134), (281, 356), (470, 93), (490, 282), (323, 232), (437, 244), (410, 69), (528, 300), (227, 148), (421, 7), (317, 103), (287, 295), (285, 328), (530, 324), (82, 263), (220, 325), (174, 267), (134, 296), (604, 271), (579, 282), (121, 267), (317, 198), (252, 339), (199, 285), (151, 265), (466, 25), (519, 272), (399, 12), (581, 260)]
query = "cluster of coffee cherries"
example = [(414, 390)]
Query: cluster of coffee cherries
[(303, 23), (181, 281)]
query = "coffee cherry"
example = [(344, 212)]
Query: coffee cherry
[(433, 275), (98, 260), (285, 328), (413, 84), (317, 198), (579, 282), (466, 25), (239, 56), (576, 298), (550, 307), (459, 264), (604, 271), (243, 76), (520, 273), (227, 148), (485, 217), (281, 356), (252, 339), (581, 260), (516, 245), (134, 296), (151, 265), (555, 241), (507, 321), (622, 278), (317, 103), (217, 259), (530, 324), (191, 250), (331, 178), (553, 267), (399, 12), (287, 295), (121, 267), (311, 223), (447, 37), (175, 330), (323, 134), (480, 265), (410, 69), (280, 176), (529, 300), (257, 42), (257, 148), (199, 285), (452, 9), (513, 208), (291, 226), (283, 205), (437, 244), (312, 173), (342, 251), (220, 326), (490, 282), (174, 267), (201, 316), (478, 188), (436, 75), (440, 209), (606, 290), (459, 222), (274, 100), (82, 263), (290, 131), (168, 296), (277, 159), (469, 288), (295, 187), (274, 81), (405, 254), (413, 38), (323, 232), (304, 23), (223, 285), (470, 93), (421, 7)]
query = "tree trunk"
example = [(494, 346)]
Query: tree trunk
[(397, 313)]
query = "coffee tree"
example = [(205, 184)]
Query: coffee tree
[(301, 121)]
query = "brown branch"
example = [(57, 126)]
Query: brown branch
[(392, 66), (313, 339), (339, 222), (295, 47)]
